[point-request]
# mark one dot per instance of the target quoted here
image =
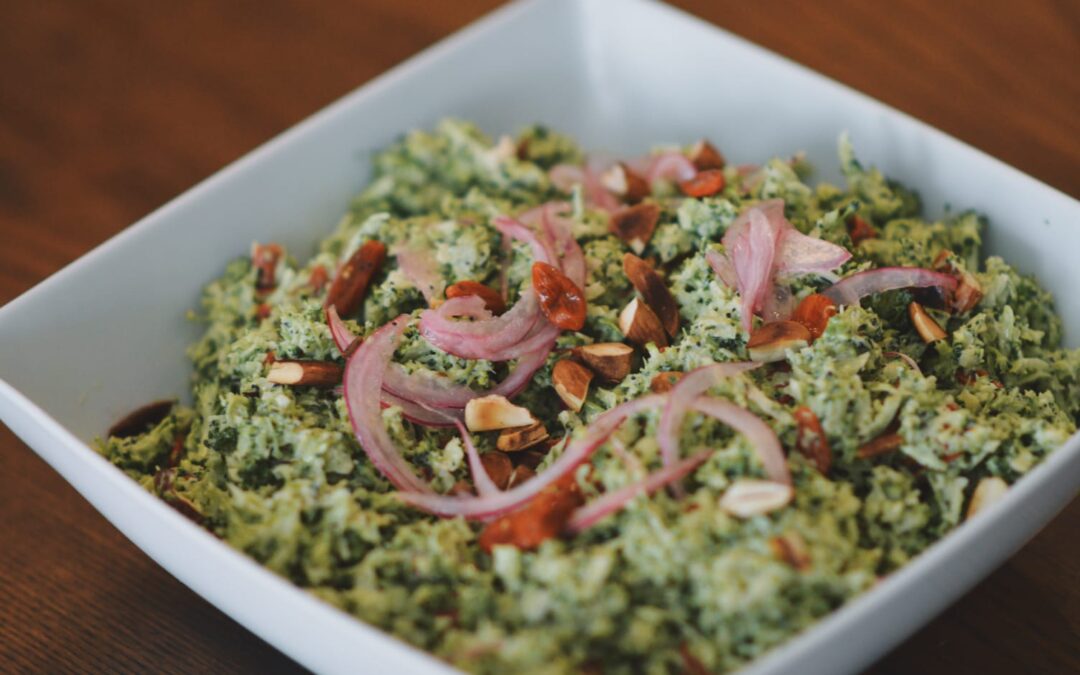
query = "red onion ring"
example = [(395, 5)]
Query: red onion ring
[(672, 166), (419, 414), (361, 389), (576, 452), (602, 507), (906, 359), (850, 290), (551, 218), (565, 176), (752, 250), (492, 338), (417, 395), (633, 464), (487, 337), (422, 271), (363, 392), (761, 436), (485, 487), (681, 398), (762, 245), (721, 264)]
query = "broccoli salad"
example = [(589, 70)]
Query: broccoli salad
[(538, 411)]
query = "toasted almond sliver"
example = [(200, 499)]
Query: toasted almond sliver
[(750, 497), (520, 438), (772, 341), (571, 382), (641, 326), (654, 291), (491, 413), (625, 183), (968, 291), (791, 548), (705, 156), (663, 382), (881, 445), (928, 329), (610, 360), (305, 373), (519, 475), (635, 225), (988, 491), (499, 468), (351, 282)]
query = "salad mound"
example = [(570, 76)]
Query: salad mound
[(537, 411)]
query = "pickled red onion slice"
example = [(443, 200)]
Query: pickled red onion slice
[(576, 452), (850, 290)]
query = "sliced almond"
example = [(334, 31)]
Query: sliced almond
[(791, 548), (749, 497), (531, 458), (967, 295), (503, 150), (519, 475), (571, 381), (610, 360), (772, 341), (663, 382), (491, 413), (623, 182), (513, 440), (654, 291), (988, 491), (641, 325), (928, 329), (968, 291), (499, 468), (305, 373), (352, 280), (879, 446), (634, 225), (705, 157)]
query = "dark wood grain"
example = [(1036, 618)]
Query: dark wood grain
[(110, 107)]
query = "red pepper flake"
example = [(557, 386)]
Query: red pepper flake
[(562, 302), (860, 230), (810, 439)]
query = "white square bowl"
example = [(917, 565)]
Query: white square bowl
[(108, 333)]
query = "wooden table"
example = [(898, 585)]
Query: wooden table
[(110, 107)]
